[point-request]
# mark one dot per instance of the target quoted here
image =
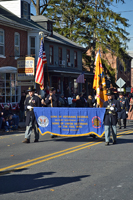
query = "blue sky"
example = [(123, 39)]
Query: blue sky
[(126, 11)]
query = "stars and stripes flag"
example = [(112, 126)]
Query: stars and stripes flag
[(39, 78), (99, 83), (80, 78)]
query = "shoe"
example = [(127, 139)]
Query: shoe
[(120, 127), (114, 142), (52, 136), (26, 140), (92, 135), (124, 126), (106, 143), (36, 140)]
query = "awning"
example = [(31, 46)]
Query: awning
[(8, 69)]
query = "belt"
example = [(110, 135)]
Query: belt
[(113, 113)]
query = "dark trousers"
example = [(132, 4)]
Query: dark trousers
[(124, 122)]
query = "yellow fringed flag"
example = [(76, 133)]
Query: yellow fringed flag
[(99, 83)]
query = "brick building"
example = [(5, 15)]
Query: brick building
[(121, 71), (18, 38)]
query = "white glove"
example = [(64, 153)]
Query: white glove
[(29, 107), (111, 108), (126, 112)]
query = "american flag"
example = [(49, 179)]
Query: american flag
[(39, 78), (80, 78)]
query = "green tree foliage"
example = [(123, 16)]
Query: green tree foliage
[(92, 24)]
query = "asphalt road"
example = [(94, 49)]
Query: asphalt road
[(80, 168)]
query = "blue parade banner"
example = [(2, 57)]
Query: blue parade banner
[(70, 121)]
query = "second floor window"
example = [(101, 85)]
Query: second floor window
[(25, 10), (75, 59), (17, 45), (32, 46), (68, 56), (51, 55), (2, 45), (60, 53)]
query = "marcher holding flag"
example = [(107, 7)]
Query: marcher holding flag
[(99, 83), (39, 78)]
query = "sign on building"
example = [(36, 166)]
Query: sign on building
[(25, 69)]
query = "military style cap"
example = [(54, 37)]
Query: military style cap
[(52, 89), (109, 92), (31, 89)]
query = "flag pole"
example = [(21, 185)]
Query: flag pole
[(42, 37), (48, 75)]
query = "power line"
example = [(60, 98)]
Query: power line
[(127, 11)]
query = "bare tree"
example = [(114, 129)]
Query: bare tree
[(40, 5)]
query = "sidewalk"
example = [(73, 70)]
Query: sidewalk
[(21, 129)]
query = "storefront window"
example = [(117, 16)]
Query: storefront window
[(9, 91)]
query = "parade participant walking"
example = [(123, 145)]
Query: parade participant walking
[(78, 101), (124, 109), (31, 101), (110, 119), (89, 101), (51, 101)]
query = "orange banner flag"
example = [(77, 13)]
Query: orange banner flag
[(99, 83)]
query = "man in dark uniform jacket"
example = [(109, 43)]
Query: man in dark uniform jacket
[(31, 101), (110, 119), (51, 100), (124, 109)]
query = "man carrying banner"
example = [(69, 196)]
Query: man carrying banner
[(51, 101), (110, 119), (31, 101)]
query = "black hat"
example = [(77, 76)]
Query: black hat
[(109, 93), (52, 89), (31, 89)]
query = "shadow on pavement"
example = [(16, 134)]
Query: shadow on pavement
[(124, 141), (24, 183), (20, 130)]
